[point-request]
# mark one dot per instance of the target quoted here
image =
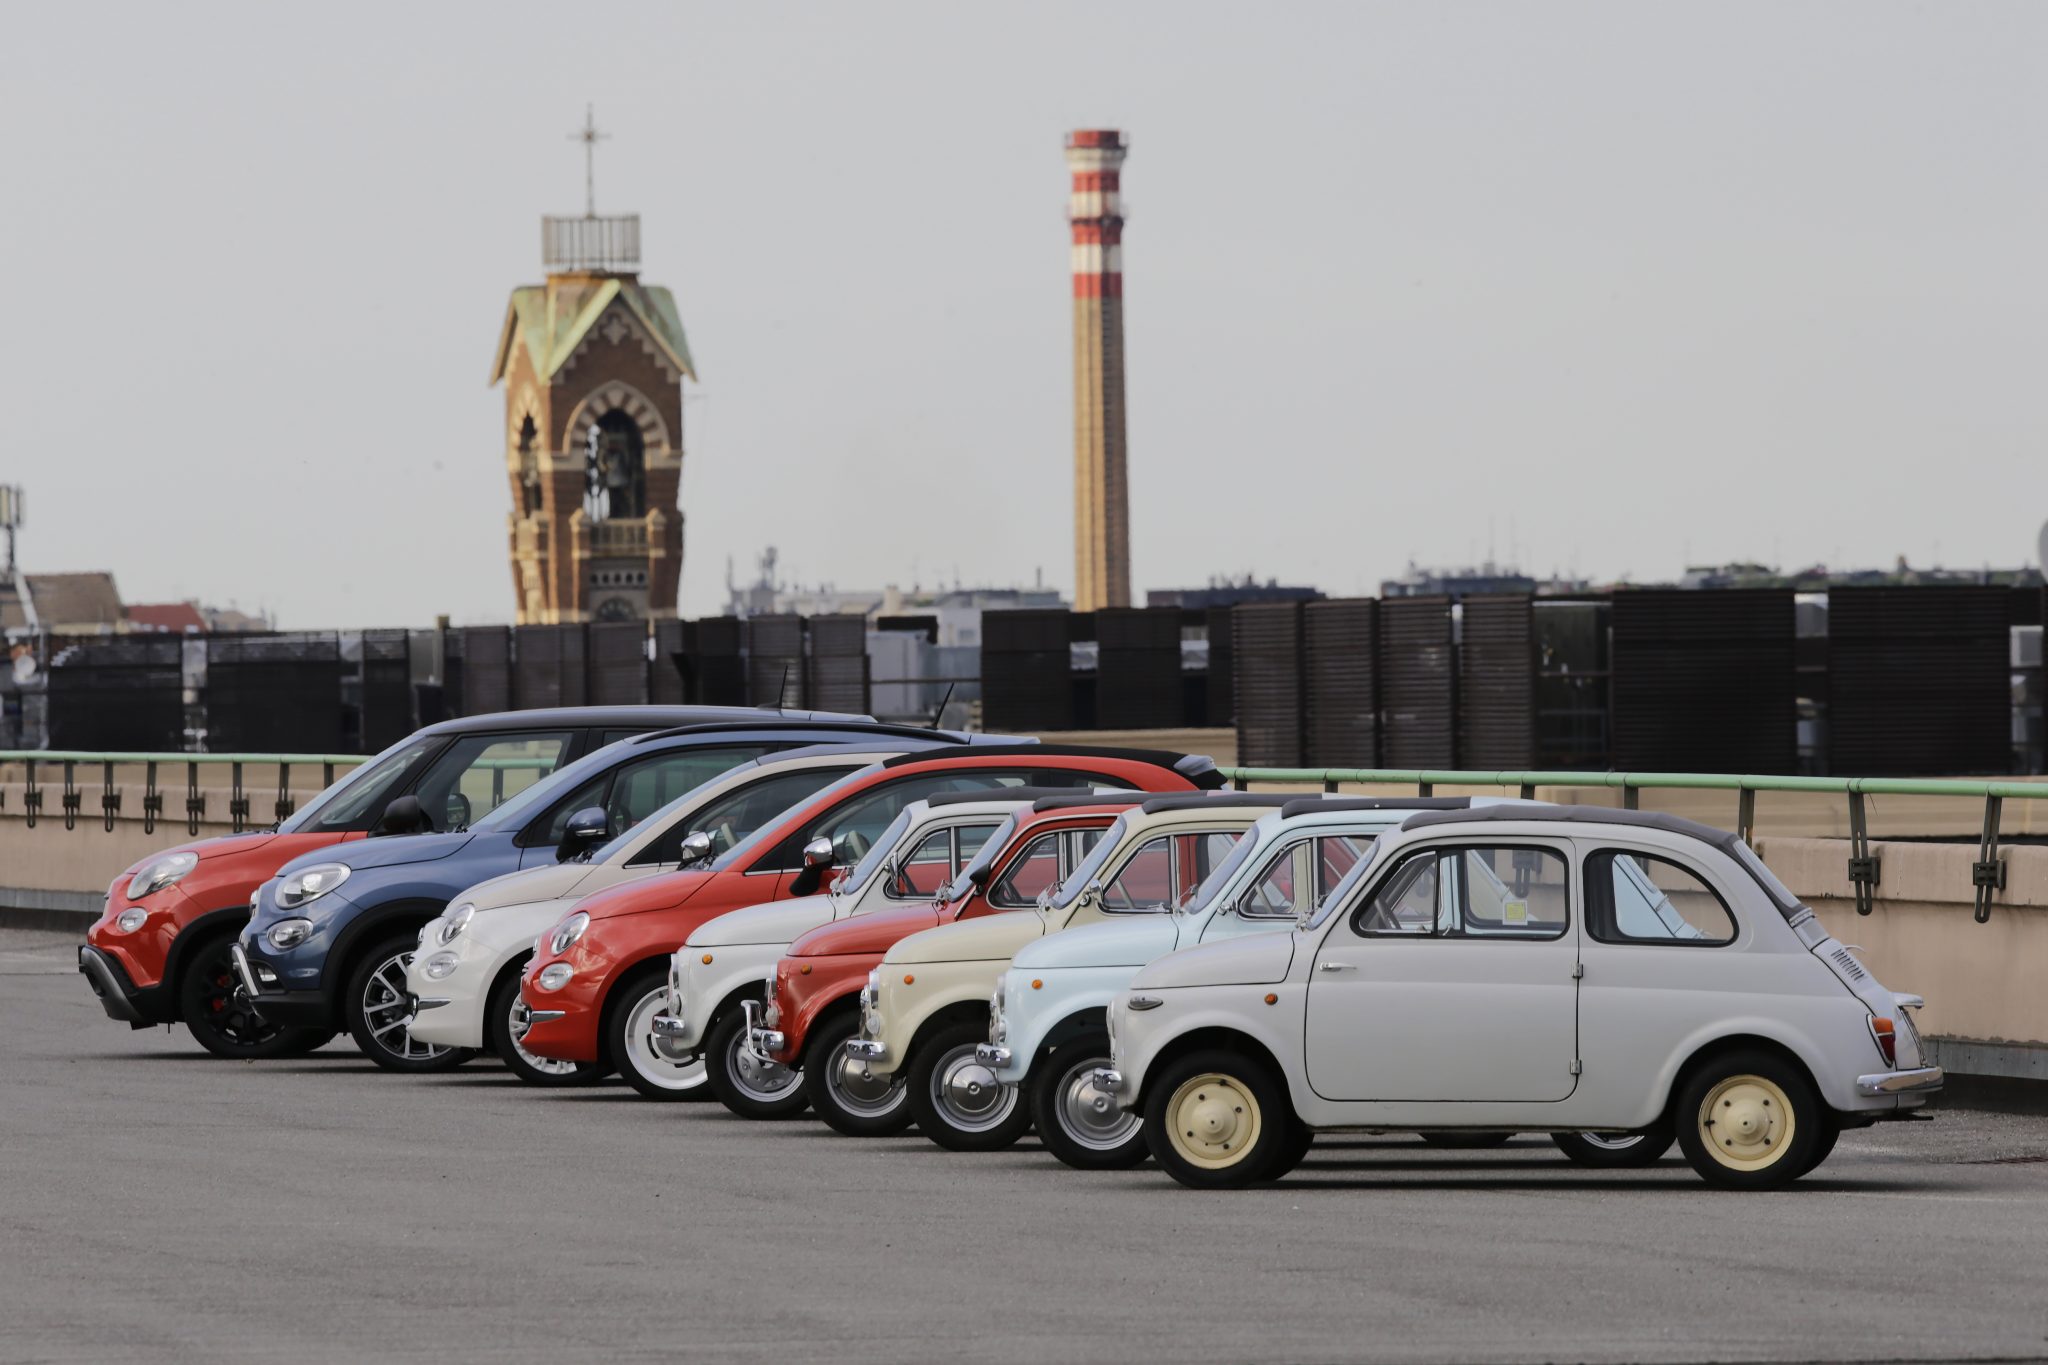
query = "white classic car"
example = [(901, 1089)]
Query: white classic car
[(1046, 1023), (716, 978), (1557, 969), (465, 976)]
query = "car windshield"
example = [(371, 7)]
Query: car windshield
[(1348, 883), (527, 803), (877, 855), (1077, 882), (1240, 853), (362, 790), (984, 859), (753, 843)]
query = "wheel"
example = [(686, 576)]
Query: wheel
[(1617, 1151), (1831, 1129), (1749, 1121), (505, 1023), (743, 1083), (1299, 1139), (651, 1064), (218, 1015), (378, 1011), (1217, 1120), (1465, 1141), (957, 1100), (1078, 1123), (840, 1091)]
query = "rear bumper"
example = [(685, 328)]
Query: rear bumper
[(137, 1007), (1919, 1081)]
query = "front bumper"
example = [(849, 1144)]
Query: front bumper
[(1923, 1080), (762, 1042), (990, 1055), (290, 1009), (118, 997), (866, 1050), (1108, 1080)]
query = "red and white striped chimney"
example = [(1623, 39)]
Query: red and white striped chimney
[(1102, 526)]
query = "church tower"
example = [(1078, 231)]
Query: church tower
[(593, 363)]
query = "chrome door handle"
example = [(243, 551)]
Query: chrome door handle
[(1334, 967)]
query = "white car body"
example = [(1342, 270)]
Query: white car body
[(1417, 1029), (456, 967)]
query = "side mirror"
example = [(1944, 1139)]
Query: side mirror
[(586, 829), (818, 853), (405, 815), (817, 857), (696, 846), (978, 875)]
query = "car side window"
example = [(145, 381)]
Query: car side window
[(635, 790), (1272, 895), (1641, 898), (853, 824), (1164, 872), (1029, 873), (478, 773), (1283, 889), (1405, 901), (936, 860), (734, 815), (1474, 891), (1336, 855)]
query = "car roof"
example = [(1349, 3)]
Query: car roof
[(1073, 800), (644, 717), (1159, 805), (864, 753), (1329, 805), (1199, 769), (1016, 795)]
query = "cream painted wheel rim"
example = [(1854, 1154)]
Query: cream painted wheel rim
[(1747, 1123), (1213, 1120)]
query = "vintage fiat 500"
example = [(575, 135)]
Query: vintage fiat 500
[(1521, 967), (715, 979), (464, 979), (1046, 1024), (813, 997), (927, 1005)]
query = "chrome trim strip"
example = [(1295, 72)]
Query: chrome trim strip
[(543, 1016), (429, 1002)]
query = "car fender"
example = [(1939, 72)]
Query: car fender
[(1835, 1080), (365, 927), (1034, 1016), (709, 989), (907, 1009), (1144, 1037)]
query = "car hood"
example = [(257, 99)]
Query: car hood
[(970, 940), (1130, 942), (773, 922), (391, 851), (1255, 960), (550, 882), (220, 846), (875, 933), (663, 892)]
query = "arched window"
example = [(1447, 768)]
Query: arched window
[(615, 469), (529, 466)]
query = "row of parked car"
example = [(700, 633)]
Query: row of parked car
[(882, 926)]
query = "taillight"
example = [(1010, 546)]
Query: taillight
[(1884, 1032)]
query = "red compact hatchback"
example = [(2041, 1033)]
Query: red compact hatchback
[(599, 979)]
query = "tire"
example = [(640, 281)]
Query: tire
[(1617, 1151), (839, 1095), (1749, 1121), (378, 1012), (1079, 1124), (218, 1015), (743, 1083), (1822, 1148), (958, 1102), (1465, 1142), (505, 1023), (1298, 1142), (652, 1065), (1218, 1120)]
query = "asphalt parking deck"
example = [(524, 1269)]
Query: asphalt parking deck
[(160, 1205)]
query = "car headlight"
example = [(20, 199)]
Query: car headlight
[(554, 976), (309, 884), (440, 965), (131, 920), (453, 924), (289, 933), (158, 873), (566, 933)]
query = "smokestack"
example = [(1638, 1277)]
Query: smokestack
[(1102, 526)]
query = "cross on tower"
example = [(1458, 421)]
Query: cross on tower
[(589, 137)]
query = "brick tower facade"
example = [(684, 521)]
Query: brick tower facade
[(593, 363), (1102, 518)]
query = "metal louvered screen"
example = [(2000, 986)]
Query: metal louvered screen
[(1137, 670), (118, 695), (1704, 681), (1027, 670), (1497, 682), (775, 661), (665, 674), (1222, 682), (1343, 682), (384, 696), (1418, 683), (839, 664), (1919, 681), (486, 670), (615, 665), (274, 694), (718, 675), (1270, 697), (547, 667)]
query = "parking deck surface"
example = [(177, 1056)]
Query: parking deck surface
[(159, 1205)]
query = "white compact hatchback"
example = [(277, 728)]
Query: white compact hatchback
[(1561, 969)]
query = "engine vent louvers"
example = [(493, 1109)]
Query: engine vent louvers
[(1848, 963)]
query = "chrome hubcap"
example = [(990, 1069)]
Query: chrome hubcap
[(388, 1014), (760, 1080), (1088, 1114), (661, 1060), (519, 1019), (1612, 1142), (968, 1093), (860, 1091)]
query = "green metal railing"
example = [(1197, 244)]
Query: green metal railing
[(1987, 873), (73, 799)]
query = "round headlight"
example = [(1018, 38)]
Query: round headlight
[(309, 884), (440, 965), (567, 932), (131, 920), (453, 924), (554, 976), (289, 933), (158, 873)]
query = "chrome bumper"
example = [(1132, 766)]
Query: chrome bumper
[(988, 1054), (1916, 1082), (1107, 1079), (668, 1026), (760, 1041), (863, 1050), (242, 972)]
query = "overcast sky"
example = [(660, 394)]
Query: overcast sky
[(1605, 287)]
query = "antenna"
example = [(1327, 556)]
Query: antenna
[(940, 714)]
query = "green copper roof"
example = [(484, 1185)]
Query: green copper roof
[(551, 320)]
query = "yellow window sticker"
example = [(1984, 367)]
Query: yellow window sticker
[(1514, 912)]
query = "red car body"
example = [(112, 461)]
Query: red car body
[(634, 928), (827, 967)]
